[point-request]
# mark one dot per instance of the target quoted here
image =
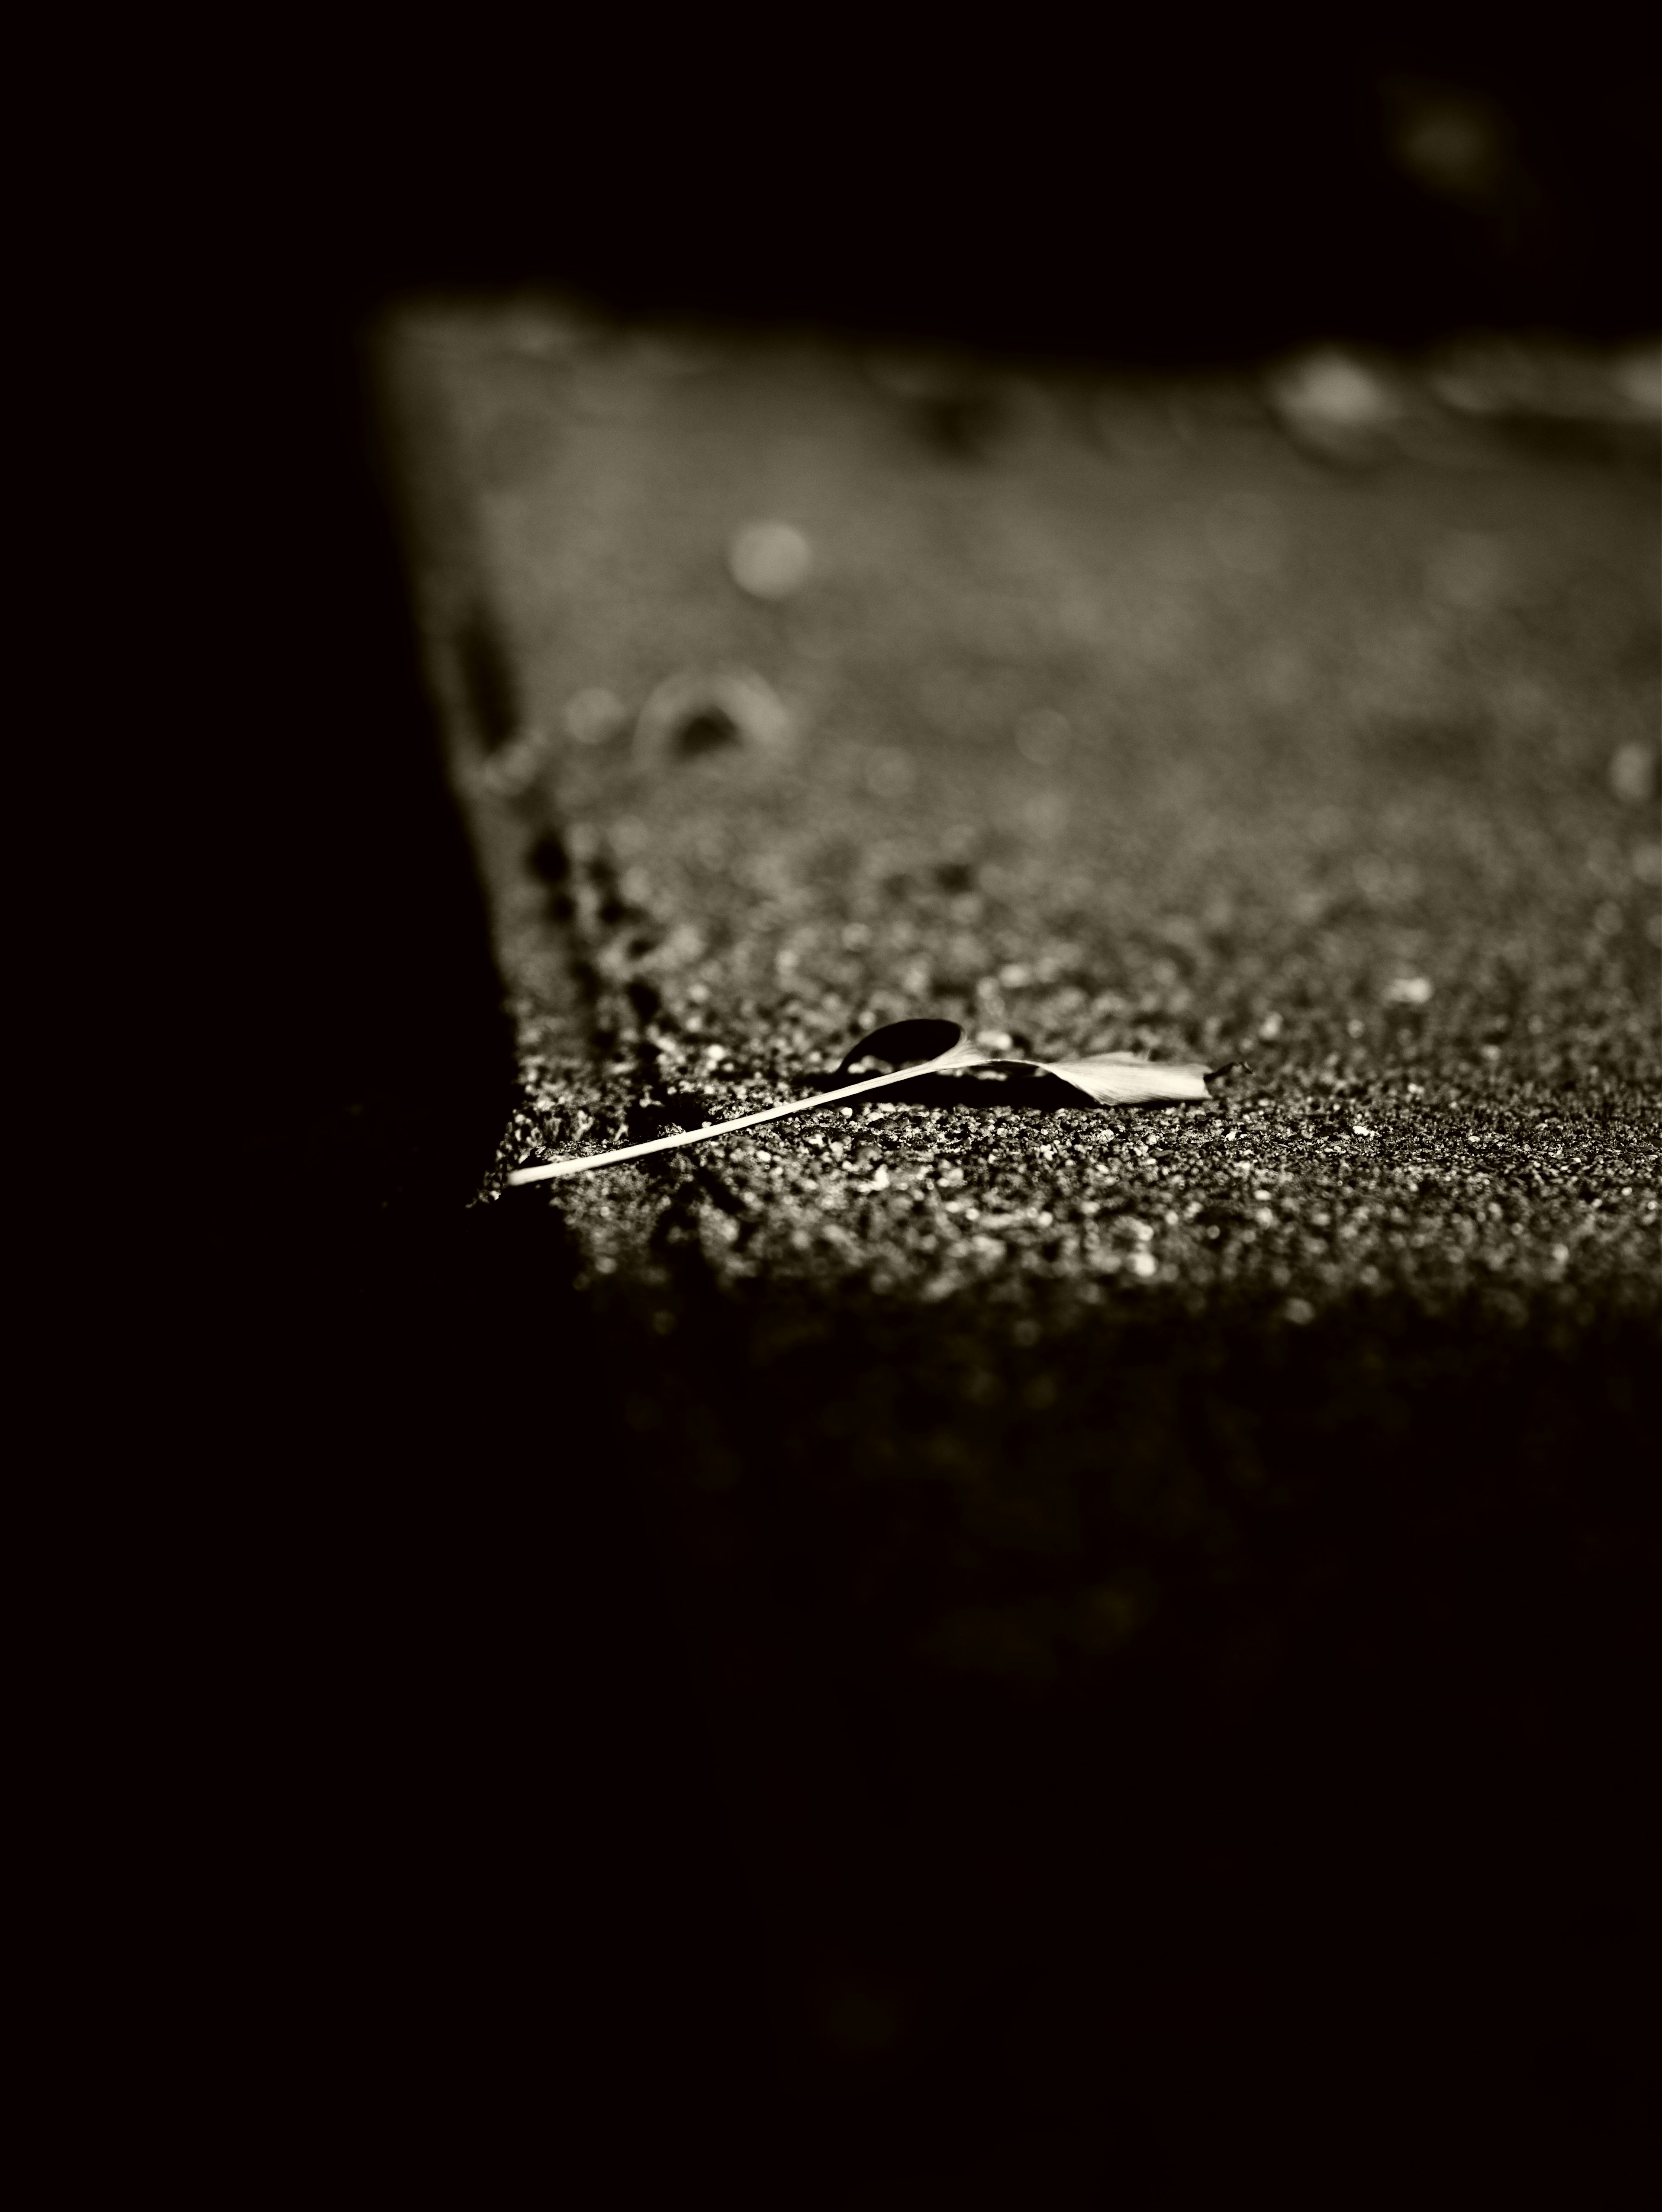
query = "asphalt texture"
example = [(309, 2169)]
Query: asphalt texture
[(1165, 1588)]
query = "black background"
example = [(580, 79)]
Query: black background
[(450, 1895)]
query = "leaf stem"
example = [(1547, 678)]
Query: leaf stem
[(553, 1168)]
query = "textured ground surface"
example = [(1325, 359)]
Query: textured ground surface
[(1120, 722), (1166, 1582)]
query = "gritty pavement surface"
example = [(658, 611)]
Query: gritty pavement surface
[(1166, 1583), (1119, 720)]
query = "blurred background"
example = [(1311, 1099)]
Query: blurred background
[(1113, 187), (1120, 193), (486, 1761)]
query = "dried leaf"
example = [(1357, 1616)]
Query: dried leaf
[(1105, 1079), (1120, 1079)]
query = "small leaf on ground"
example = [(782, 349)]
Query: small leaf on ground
[(927, 1047)]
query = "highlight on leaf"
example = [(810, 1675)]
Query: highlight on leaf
[(922, 1048)]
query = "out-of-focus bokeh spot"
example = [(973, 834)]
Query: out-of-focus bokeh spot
[(1633, 772), (1409, 991), (1337, 405), (595, 716), (770, 559), (1453, 143)]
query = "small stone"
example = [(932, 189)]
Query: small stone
[(1337, 407), (770, 559), (1409, 991), (1633, 772), (594, 717), (1636, 373)]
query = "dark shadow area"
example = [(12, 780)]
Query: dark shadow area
[(722, 1746), (1022, 1771), (487, 681), (1109, 187), (706, 733), (1017, 1086)]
